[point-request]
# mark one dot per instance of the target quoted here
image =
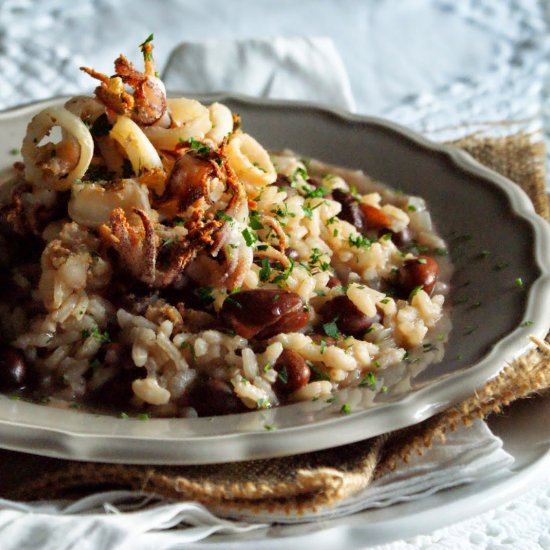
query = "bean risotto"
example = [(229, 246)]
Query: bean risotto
[(156, 260)]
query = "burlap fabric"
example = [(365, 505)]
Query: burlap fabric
[(301, 482)]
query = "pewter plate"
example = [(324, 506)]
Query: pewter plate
[(475, 210)]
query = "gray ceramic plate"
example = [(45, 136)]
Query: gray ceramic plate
[(475, 209)]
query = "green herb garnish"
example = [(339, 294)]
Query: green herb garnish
[(265, 271), (331, 329), (346, 408)]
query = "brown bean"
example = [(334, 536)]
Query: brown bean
[(350, 208), (418, 272), (348, 319), (373, 218), (292, 372), (399, 238), (251, 312), (320, 338), (213, 398), (333, 281), (291, 322), (117, 392), (282, 181), (13, 369)]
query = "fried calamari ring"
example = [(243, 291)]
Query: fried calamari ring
[(56, 166)]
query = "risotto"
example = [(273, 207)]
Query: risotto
[(156, 260)]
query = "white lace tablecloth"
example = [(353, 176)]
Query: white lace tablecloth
[(433, 65)]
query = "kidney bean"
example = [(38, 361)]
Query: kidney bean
[(320, 338), (282, 181), (252, 312), (293, 372), (117, 392), (213, 398), (418, 272), (350, 208), (333, 281), (291, 322), (348, 318), (373, 218), (13, 369), (399, 238)]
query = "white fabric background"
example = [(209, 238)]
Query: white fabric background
[(430, 64)]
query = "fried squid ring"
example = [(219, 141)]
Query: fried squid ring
[(139, 150), (191, 119), (250, 161), (91, 204), (56, 166), (86, 108), (222, 122)]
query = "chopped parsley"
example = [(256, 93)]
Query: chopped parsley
[(318, 192), (144, 416), (317, 374), (331, 329), (411, 208), (265, 271), (103, 337), (526, 324), (315, 260), (124, 416), (250, 236), (270, 427), (223, 216), (331, 399), (263, 403), (14, 152), (282, 375), (308, 210), (415, 291), (255, 222), (150, 38), (282, 277), (359, 241), (200, 148), (368, 380), (346, 408), (147, 55), (519, 282)]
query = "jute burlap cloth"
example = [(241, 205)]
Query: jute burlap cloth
[(304, 482)]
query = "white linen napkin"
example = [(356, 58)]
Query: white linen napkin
[(280, 68), (125, 519)]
